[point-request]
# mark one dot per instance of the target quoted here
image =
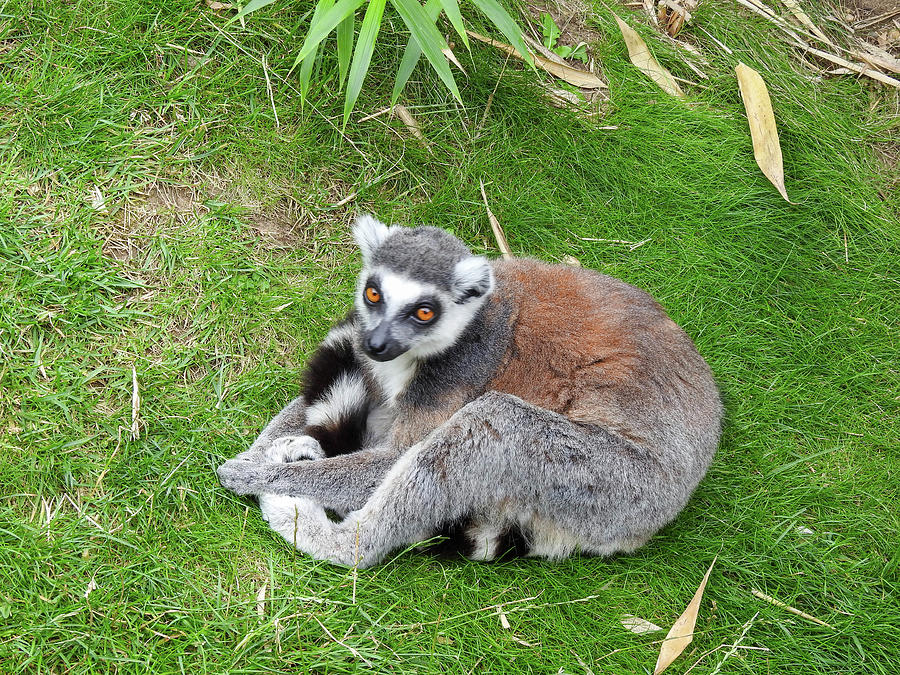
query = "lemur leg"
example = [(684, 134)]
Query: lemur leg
[(495, 455)]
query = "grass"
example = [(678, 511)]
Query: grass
[(217, 259)]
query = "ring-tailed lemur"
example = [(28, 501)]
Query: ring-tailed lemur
[(508, 404)]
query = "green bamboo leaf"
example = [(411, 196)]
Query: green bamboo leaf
[(308, 63), (365, 45), (345, 34), (412, 53), (506, 25), (319, 30), (411, 57), (429, 38), (451, 9)]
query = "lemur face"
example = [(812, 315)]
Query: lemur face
[(400, 314), (418, 290)]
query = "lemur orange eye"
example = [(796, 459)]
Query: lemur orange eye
[(372, 295), (424, 314)]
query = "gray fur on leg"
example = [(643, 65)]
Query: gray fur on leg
[(343, 483), (498, 460)]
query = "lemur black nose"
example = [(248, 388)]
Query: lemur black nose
[(376, 345)]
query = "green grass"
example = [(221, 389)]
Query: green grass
[(218, 260)]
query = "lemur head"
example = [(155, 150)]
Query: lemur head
[(418, 290)]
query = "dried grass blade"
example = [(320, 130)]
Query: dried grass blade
[(802, 17), (642, 58), (135, 406), (682, 632), (788, 608), (638, 625), (763, 131), (261, 600), (411, 123)]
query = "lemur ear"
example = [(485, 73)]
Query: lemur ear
[(369, 233), (473, 277)]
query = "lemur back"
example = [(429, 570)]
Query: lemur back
[(518, 405)]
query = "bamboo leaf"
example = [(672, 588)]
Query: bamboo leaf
[(430, 41), (681, 633), (580, 78), (345, 34), (506, 25), (362, 56), (642, 58), (763, 132), (307, 66), (328, 21), (451, 9), (412, 53)]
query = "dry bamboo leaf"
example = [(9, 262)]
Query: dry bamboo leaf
[(854, 67), (502, 244), (763, 131), (878, 57), (638, 625), (580, 78), (215, 6), (261, 600), (642, 58), (682, 631), (412, 125), (804, 20)]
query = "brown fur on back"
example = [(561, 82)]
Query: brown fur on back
[(599, 351)]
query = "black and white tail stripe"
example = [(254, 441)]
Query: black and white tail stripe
[(336, 394)]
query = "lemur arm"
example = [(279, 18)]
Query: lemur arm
[(343, 483)]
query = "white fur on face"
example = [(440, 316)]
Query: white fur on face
[(397, 293)]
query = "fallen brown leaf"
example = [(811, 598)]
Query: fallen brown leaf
[(412, 125), (580, 78), (682, 632), (212, 4), (642, 58), (766, 147), (502, 244)]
